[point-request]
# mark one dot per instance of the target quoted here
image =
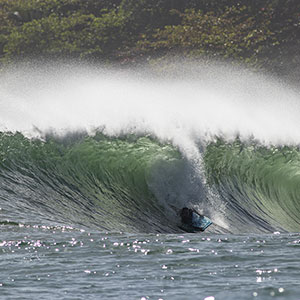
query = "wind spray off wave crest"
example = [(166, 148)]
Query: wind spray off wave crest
[(196, 101)]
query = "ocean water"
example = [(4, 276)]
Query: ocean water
[(63, 263), (95, 165)]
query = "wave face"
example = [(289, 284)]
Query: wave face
[(260, 185), (108, 150), (92, 181)]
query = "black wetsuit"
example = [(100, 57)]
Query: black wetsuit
[(186, 216)]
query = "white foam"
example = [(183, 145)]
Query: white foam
[(206, 102)]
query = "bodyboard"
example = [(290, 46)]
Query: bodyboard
[(200, 222)]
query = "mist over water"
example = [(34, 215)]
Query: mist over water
[(180, 105)]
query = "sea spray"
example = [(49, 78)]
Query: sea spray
[(196, 103)]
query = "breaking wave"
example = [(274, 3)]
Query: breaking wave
[(111, 151)]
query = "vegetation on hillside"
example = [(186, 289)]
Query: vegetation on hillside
[(262, 33)]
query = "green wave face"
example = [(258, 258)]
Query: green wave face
[(91, 181), (258, 183), (137, 184)]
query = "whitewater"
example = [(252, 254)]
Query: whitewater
[(95, 163)]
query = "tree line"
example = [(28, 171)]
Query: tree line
[(262, 33)]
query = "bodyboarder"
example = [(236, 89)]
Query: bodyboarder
[(193, 220)]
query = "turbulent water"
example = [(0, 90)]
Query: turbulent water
[(86, 153)]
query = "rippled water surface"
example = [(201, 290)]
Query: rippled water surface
[(65, 263)]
